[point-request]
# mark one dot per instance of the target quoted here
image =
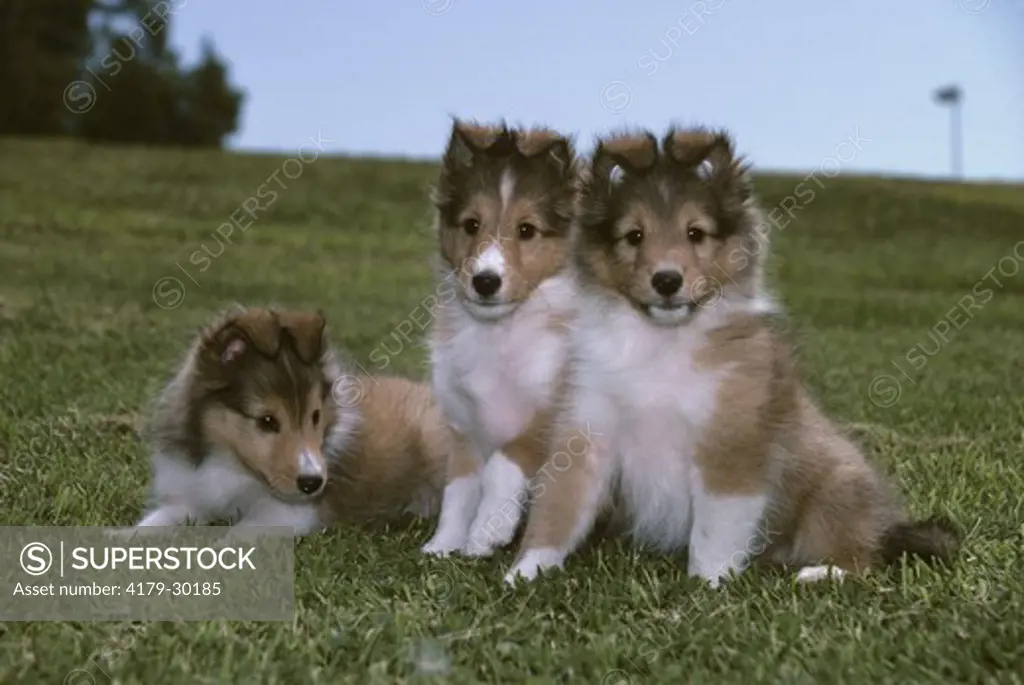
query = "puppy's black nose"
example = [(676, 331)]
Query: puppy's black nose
[(309, 484), (486, 283), (667, 283)]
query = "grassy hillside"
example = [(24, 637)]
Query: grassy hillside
[(872, 271)]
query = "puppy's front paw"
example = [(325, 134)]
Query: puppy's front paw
[(713, 580), (483, 541), (441, 546), (533, 562), (813, 574), (712, 574), (475, 548)]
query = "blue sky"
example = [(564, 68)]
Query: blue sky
[(792, 80)]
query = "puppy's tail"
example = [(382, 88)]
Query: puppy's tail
[(934, 540)]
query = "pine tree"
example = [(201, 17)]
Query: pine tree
[(212, 107)]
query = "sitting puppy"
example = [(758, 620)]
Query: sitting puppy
[(263, 426), (706, 438)]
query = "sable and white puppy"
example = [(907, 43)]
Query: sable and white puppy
[(504, 205), (263, 426), (706, 438)]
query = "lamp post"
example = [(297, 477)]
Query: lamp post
[(952, 96)]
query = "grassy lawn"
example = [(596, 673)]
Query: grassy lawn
[(872, 271)]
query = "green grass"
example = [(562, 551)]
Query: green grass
[(867, 270)]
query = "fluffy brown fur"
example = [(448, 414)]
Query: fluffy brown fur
[(636, 192), (255, 385), (504, 203), (533, 232), (829, 505), (261, 393), (711, 356), (395, 459)]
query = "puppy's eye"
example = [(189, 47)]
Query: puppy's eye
[(527, 231), (695, 234), (635, 237), (268, 424), (316, 418), (470, 226)]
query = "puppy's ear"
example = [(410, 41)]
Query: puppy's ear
[(466, 143), (237, 333), (459, 152), (690, 147), (620, 156), (233, 338), (307, 331), (262, 328), (234, 347), (467, 140), (711, 156), (553, 147)]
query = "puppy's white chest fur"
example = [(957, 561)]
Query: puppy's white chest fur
[(638, 386), (491, 377)]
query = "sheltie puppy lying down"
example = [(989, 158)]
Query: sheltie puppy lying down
[(264, 426)]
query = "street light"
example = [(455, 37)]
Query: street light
[(952, 96)]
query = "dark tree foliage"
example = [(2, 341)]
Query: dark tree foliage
[(103, 70), (210, 109), (42, 43)]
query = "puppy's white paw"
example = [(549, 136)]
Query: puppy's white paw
[(714, 582), (814, 574), (533, 562), (714, 578), (475, 548), (442, 546), (483, 542)]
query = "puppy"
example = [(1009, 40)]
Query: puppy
[(504, 204), (702, 432), (263, 426)]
